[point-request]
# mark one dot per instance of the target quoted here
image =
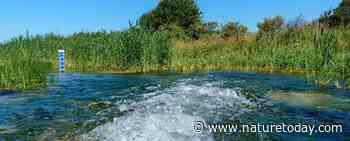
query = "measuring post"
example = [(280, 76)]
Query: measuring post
[(61, 60)]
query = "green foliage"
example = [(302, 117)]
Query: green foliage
[(175, 32), (271, 24), (182, 13), (142, 49), (26, 61), (313, 52), (19, 68), (337, 17), (319, 53), (234, 29)]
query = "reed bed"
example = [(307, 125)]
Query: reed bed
[(317, 53), (26, 61)]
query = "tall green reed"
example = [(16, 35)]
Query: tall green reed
[(26, 61)]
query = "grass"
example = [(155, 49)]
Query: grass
[(26, 61), (319, 54)]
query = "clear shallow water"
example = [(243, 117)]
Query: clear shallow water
[(149, 107)]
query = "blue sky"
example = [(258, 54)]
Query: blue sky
[(68, 16)]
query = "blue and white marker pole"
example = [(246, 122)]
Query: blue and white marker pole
[(61, 60)]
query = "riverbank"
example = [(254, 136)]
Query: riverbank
[(319, 55)]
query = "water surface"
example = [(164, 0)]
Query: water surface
[(165, 107)]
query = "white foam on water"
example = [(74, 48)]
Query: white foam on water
[(170, 115)]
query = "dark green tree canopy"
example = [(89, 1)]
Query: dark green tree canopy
[(339, 16), (182, 13)]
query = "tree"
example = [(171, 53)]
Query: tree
[(234, 29), (271, 24), (181, 13), (337, 17)]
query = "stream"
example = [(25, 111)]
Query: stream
[(108, 107)]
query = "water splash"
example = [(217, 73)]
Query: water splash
[(169, 115)]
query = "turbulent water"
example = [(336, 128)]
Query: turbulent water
[(90, 107)]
